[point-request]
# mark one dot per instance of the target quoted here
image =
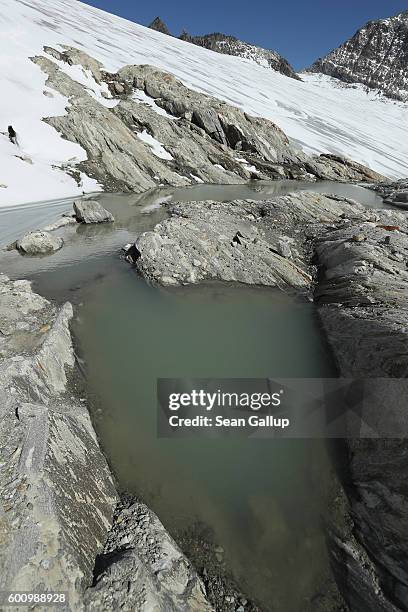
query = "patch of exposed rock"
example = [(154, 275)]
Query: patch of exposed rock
[(57, 494), (363, 305), (243, 241), (395, 193), (90, 211), (338, 168), (39, 243), (156, 131), (159, 25), (142, 569)]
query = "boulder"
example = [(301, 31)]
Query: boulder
[(401, 196), (119, 89), (89, 211), (238, 241), (39, 243), (144, 570)]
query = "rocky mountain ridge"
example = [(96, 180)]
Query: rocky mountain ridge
[(376, 56), (230, 45)]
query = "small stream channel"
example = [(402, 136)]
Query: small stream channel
[(257, 505)]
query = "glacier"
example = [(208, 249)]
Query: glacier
[(319, 114)]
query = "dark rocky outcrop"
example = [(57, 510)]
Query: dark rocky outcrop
[(230, 45), (363, 305), (159, 25), (395, 193), (376, 56)]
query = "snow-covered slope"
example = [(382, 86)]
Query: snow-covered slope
[(317, 113)]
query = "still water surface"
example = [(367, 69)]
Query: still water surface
[(263, 500)]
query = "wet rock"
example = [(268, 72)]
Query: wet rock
[(132, 254), (89, 211), (39, 243), (63, 222)]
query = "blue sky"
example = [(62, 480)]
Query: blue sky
[(301, 31)]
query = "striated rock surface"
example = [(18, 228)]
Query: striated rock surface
[(151, 130), (89, 211), (239, 136), (395, 193), (39, 243), (143, 569), (363, 305), (57, 494), (376, 56), (338, 168), (243, 241)]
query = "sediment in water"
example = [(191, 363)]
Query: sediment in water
[(351, 295)]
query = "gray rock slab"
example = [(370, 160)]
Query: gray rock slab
[(90, 211)]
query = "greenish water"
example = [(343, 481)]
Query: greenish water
[(264, 500)]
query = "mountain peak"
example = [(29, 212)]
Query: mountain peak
[(159, 25), (230, 45), (376, 56)]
